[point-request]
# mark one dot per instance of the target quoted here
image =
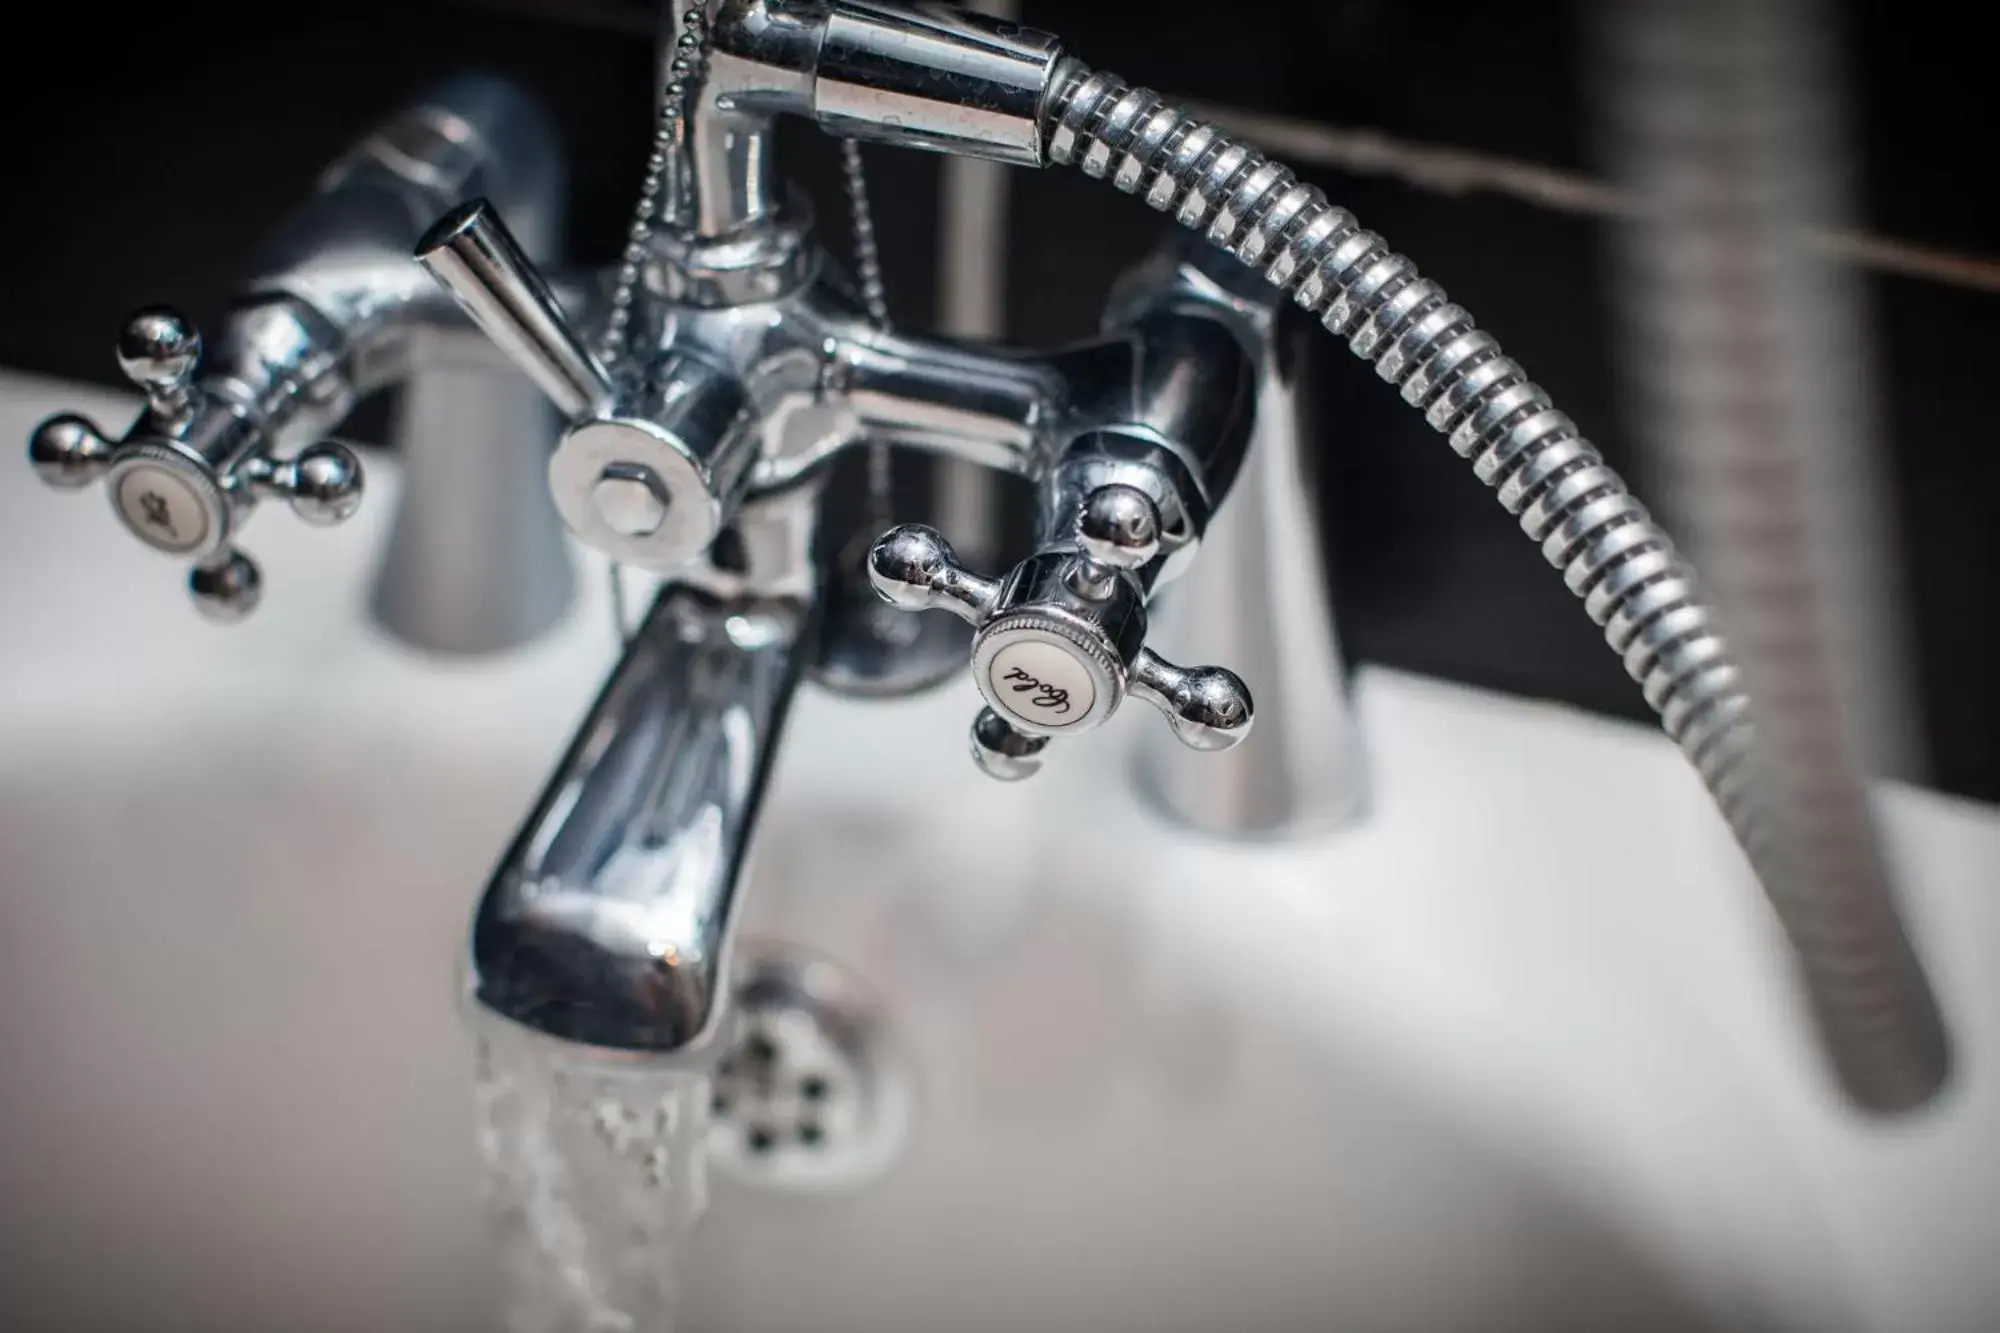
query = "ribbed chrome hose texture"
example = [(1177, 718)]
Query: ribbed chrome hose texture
[(1875, 1009), (1747, 364), (1746, 358)]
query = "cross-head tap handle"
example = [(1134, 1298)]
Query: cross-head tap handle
[(1060, 640), (189, 470)]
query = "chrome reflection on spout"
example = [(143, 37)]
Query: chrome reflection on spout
[(608, 920)]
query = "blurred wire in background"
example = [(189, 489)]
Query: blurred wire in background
[(1451, 170)]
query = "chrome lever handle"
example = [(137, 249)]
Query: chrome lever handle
[(194, 464), (650, 469), (473, 256), (1060, 640)]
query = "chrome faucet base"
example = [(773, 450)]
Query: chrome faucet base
[(476, 561), (1260, 597)]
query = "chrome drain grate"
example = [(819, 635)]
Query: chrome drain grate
[(809, 1094)]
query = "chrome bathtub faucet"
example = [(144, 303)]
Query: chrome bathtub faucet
[(746, 362)]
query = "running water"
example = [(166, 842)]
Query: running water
[(594, 1180)]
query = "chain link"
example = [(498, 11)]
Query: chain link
[(867, 255), (875, 299), (690, 50)]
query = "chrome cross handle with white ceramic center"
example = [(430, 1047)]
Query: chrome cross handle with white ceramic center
[(192, 466), (1060, 640)]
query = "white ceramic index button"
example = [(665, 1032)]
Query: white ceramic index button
[(1041, 683), (162, 509)]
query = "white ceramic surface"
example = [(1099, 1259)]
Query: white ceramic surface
[(1520, 1051)]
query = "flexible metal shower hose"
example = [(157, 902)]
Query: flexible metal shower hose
[(1874, 1007)]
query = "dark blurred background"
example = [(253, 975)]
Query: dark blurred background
[(148, 157)]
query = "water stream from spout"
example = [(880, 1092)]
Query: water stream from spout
[(595, 1177)]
